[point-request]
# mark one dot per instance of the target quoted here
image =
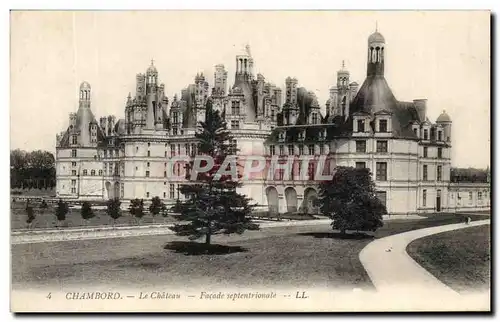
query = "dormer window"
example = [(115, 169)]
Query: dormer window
[(322, 134), (440, 136), (361, 125), (426, 134), (281, 136), (314, 118), (302, 135), (74, 139), (382, 125)]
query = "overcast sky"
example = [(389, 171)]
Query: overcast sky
[(442, 56)]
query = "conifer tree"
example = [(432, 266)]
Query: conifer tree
[(213, 205)]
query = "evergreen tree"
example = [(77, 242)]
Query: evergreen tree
[(61, 211), (350, 200), (156, 206), (136, 208), (212, 205), (113, 209), (87, 212)]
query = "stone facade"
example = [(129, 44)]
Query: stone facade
[(408, 155)]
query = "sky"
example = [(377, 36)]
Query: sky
[(443, 56)]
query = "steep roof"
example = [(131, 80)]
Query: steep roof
[(84, 117)]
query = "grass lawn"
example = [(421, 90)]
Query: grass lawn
[(461, 259), (300, 256)]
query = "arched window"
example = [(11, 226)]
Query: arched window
[(100, 172), (377, 51), (92, 172), (84, 172)]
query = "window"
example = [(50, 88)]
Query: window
[(164, 195), (439, 172), (179, 149), (73, 153), (424, 198), (440, 153), (382, 126), (314, 118), (186, 148), (174, 131), (149, 153), (122, 190), (310, 148), (440, 136), (235, 107), (73, 172), (381, 146), (147, 164), (425, 152), (272, 150), (360, 165), (470, 198), (92, 172), (147, 194), (74, 139), (281, 174), (321, 149), (290, 149), (235, 124), (165, 154), (415, 131), (310, 170), (73, 183), (73, 164), (172, 150), (426, 134), (147, 173), (100, 172), (175, 117), (381, 171), (136, 149), (301, 149), (165, 174), (479, 195), (361, 125), (282, 150), (360, 146), (84, 172), (424, 172)]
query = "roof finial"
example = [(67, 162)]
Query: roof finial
[(152, 62), (343, 64), (376, 26), (247, 49)]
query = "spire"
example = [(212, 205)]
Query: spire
[(247, 49)]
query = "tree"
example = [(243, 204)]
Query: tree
[(113, 209), (61, 211), (156, 206), (136, 209), (213, 205), (350, 200), (31, 216), (87, 212)]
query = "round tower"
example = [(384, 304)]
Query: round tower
[(376, 52), (445, 121), (85, 91)]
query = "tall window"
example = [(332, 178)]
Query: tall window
[(282, 150), (360, 146), (321, 149), (470, 198), (310, 170), (382, 125), (440, 136), (426, 134), (301, 149), (314, 118), (149, 153), (361, 125), (172, 150), (360, 165), (74, 139), (84, 172), (381, 146), (100, 172), (147, 173), (235, 107), (272, 150), (172, 191), (440, 152), (73, 172), (439, 172), (310, 148), (424, 172), (175, 118), (73, 164), (290, 149), (479, 195), (425, 152), (424, 198), (92, 172), (381, 171), (73, 153)]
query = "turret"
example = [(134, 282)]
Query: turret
[(376, 52), (445, 121)]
